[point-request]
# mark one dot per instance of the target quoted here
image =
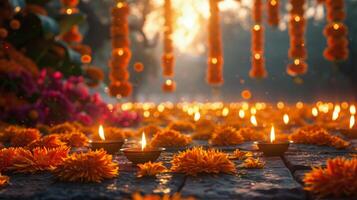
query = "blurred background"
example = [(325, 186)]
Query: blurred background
[(324, 79)]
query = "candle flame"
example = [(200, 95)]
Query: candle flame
[(352, 121), (272, 134), (143, 141), (253, 120), (101, 132), (241, 114), (314, 112), (286, 119), (353, 109), (197, 116), (225, 112)]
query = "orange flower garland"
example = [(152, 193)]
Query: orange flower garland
[(297, 51), (338, 179), (39, 159), (93, 166), (336, 31), (121, 54), (258, 61), (273, 12), (168, 58), (215, 55), (197, 160)]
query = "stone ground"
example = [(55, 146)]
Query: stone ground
[(280, 179)]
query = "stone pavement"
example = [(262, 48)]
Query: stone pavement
[(280, 179)]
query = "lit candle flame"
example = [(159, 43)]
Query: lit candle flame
[(336, 112), (225, 112), (197, 116), (101, 132), (253, 120), (241, 114), (143, 141), (314, 112), (352, 121), (272, 134), (286, 119), (353, 109)]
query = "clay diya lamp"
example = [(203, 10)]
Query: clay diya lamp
[(351, 132), (144, 154), (273, 148), (110, 146)]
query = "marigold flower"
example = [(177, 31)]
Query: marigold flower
[(93, 166), (48, 141), (225, 136), (170, 138), (123, 89), (24, 136), (74, 139), (182, 126), (138, 67), (249, 134), (204, 129), (3, 180), (63, 128), (111, 133), (338, 179), (149, 130), (150, 169), (240, 155), (253, 163), (95, 74), (39, 159), (196, 160), (6, 158), (73, 35)]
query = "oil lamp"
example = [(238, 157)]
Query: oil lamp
[(273, 148), (144, 154), (110, 146)]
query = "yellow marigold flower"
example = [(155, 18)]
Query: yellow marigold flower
[(150, 130), (196, 160), (24, 136), (225, 136), (338, 179), (150, 169), (317, 136), (176, 196), (74, 139), (48, 141), (253, 163), (249, 134), (182, 126), (170, 138), (3, 180), (93, 166), (7, 158), (39, 159), (240, 155)]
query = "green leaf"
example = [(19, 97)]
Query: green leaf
[(67, 21)]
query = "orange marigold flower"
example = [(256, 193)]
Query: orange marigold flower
[(338, 179), (74, 139), (176, 196), (249, 134), (95, 74), (204, 129), (111, 133), (93, 166), (49, 142), (7, 158), (170, 138), (7, 133), (3, 180), (225, 136), (182, 126), (24, 136), (149, 130), (253, 163), (138, 67), (39, 159), (196, 160), (150, 169), (240, 155), (64, 128)]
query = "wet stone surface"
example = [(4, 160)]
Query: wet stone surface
[(280, 179)]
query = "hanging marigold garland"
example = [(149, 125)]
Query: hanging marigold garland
[(273, 7), (336, 31), (297, 27), (215, 55), (168, 58), (121, 54), (258, 62)]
